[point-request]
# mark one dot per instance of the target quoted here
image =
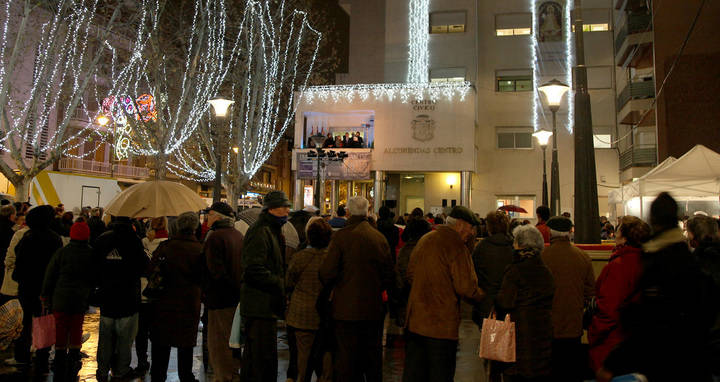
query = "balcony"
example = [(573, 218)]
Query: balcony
[(133, 172), (634, 101), (638, 156), (91, 167), (84, 166), (634, 41)]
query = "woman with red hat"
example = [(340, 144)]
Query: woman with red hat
[(68, 283)]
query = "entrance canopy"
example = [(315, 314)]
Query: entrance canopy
[(693, 176)]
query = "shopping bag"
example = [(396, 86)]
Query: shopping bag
[(236, 332), (43, 331), (497, 339)]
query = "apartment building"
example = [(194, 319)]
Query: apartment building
[(668, 99), (493, 45)]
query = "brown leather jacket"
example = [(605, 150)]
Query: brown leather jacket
[(358, 263), (441, 272)]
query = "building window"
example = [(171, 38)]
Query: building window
[(602, 141), (514, 137), (447, 75), (526, 202), (447, 22), (513, 24), (602, 27), (514, 80)]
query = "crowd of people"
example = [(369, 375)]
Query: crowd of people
[(348, 141), (653, 309)]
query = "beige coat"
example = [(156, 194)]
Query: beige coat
[(10, 286), (440, 272), (572, 270)]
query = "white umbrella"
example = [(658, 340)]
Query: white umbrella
[(154, 199)]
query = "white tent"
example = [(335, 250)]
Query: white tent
[(694, 176)]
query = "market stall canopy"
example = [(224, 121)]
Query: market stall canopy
[(695, 174), (154, 199)]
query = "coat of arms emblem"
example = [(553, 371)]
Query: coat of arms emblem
[(423, 128)]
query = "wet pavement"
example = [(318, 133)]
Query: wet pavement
[(469, 366)]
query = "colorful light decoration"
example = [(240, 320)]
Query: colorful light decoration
[(60, 40)]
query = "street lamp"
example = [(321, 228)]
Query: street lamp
[(543, 136), (220, 105), (102, 120), (319, 153), (554, 92)]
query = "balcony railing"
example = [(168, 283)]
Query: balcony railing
[(644, 155), (131, 171), (636, 23), (636, 90), (102, 168), (85, 166)]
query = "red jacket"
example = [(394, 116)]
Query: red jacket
[(545, 231), (615, 287)]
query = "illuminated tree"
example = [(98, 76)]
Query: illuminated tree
[(278, 49), (51, 54)]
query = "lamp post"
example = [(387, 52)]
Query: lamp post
[(103, 120), (220, 105), (318, 140), (554, 92), (543, 136)]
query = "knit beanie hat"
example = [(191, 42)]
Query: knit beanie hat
[(80, 231)]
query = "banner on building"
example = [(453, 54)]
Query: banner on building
[(355, 167)]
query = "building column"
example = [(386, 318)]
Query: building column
[(299, 192), (379, 188), (349, 189), (465, 187), (334, 195)]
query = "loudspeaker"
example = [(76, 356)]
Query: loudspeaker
[(444, 203), (454, 202)]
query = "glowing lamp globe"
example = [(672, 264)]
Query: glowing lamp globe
[(103, 120), (543, 136), (451, 180), (221, 106), (554, 92)]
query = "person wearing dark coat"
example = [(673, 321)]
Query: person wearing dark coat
[(526, 293), (388, 229), (7, 221), (703, 236), (262, 300), (97, 226), (176, 312), (34, 252), (667, 328), (223, 250), (122, 261), (615, 287), (299, 220), (358, 264), (416, 229), (490, 257), (69, 280)]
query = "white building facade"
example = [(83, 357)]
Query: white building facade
[(448, 143)]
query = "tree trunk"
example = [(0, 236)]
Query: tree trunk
[(160, 168), (22, 189)]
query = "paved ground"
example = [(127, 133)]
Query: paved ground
[(469, 367)]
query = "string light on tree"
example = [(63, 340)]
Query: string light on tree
[(266, 81), (44, 105)]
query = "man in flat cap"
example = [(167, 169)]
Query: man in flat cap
[(441, 272), (223, 250), (574, 287), (262, 299)]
